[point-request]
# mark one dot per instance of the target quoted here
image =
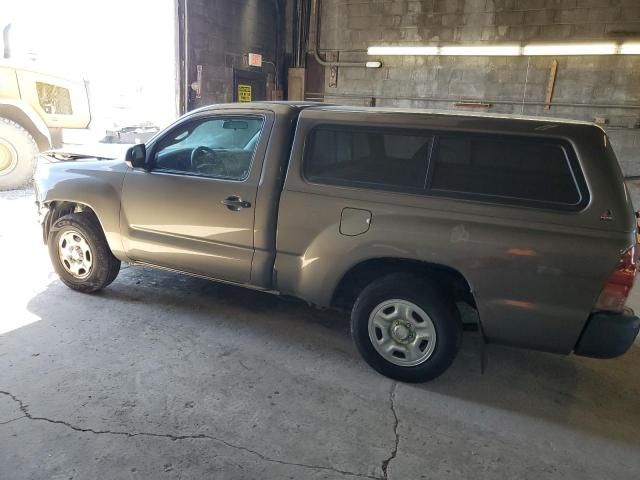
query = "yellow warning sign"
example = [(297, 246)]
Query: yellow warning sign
[(244, 93)]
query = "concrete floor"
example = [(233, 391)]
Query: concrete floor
[(165, 377)]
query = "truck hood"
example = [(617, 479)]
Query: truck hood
[(93, 152)]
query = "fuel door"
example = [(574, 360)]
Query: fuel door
[(354, 221)]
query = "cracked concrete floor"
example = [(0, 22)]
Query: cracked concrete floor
[(163, 376)]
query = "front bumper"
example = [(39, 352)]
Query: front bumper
[(608, 334)]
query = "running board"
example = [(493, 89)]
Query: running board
[(205, 277)]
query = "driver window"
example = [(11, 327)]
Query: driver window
[(213, 147)]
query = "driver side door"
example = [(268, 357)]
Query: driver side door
[(193, 210)]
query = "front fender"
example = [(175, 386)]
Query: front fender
[(96, 184)]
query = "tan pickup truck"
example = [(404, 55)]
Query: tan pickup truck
[(399, 216)]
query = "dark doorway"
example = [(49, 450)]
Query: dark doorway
[(314, 80), (249, 86)]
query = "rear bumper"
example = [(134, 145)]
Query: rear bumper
[(608, 335)]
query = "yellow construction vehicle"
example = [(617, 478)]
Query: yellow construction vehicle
[(35, 105)]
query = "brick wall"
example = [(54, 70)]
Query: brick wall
[(348, 27)]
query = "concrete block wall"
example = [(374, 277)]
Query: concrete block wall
[(221, 32), (348, 27)]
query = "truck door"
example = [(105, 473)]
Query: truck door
[(193, 211)]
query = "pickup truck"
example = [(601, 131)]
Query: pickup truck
[(399, 216)]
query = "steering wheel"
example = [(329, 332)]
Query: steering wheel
[(212, 161)]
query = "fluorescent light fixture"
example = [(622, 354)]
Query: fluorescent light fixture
[(534, 49), (402, 50), (630, 48), (373, 64), (482, 50), (570, 49)]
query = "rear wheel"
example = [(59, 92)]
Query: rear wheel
[(18, 155), (80, 254), (405, 328)]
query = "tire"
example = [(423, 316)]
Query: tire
[(429, 336), (93, 271), (18, 155)]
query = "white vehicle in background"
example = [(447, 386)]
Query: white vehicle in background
[(35, 105)]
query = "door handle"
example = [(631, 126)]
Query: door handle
[(235, 203)]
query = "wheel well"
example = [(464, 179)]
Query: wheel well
[(60, 209), (362, 274)]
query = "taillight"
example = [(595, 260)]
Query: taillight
[(616, 290)]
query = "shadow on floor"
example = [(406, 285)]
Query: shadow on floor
[(598, 397)]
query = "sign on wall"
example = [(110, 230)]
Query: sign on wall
[(244, 93), (255, 60)]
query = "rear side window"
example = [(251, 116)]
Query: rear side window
[(375, 157), (505, 169)]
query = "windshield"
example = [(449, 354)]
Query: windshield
[(240, 135)]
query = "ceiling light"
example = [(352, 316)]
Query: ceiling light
[(482, 50), (402, 50), (535, 49), (571, 49), (373, 64), (630, 48)]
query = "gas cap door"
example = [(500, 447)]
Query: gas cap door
[(354, 221)]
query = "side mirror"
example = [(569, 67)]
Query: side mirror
[(136, 156)]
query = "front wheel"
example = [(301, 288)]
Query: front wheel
[(80, 254), (405, 328), (18, 155)]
